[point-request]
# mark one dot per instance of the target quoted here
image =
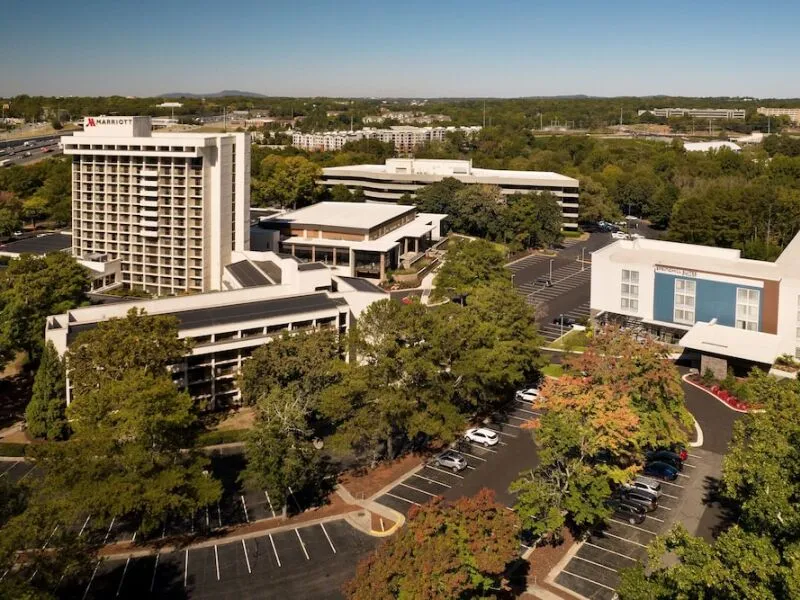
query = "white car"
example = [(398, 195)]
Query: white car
[(528, 395), (481, 435), (618, 235), (637, 236)]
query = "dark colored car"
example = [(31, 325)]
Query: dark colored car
[(660, 470), (632, 513), (565, 321), (666, 456), (647, 500), (678, 449)]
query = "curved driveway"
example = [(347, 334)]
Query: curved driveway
[(715, 419)]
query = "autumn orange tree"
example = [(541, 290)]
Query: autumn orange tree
[(641, 370), (446, 550)]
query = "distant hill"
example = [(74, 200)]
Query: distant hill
[(221, 94)]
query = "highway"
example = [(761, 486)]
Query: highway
[(22, 152)]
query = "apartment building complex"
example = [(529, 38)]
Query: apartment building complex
[(399, 176), (169, 207), (792, 113), (404, 138), (709, 300), (699, 113), (266, 296)]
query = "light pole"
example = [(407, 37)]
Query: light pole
[(583, 253), (551, 271)]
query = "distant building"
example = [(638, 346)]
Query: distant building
[(792, 113), (354, 239), (404, 138), (399, 176), (404, 117), (754, 138), (701, 113), (706, 146)]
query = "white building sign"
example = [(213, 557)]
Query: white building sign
[(676, 271)]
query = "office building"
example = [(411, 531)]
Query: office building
[(170, 207), (706, 146), (792, 113), (699, 113), (266, 295), (351, 238), (404, 138), (709, 300), (399, 176)]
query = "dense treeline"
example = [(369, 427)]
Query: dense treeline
[(34, 193)]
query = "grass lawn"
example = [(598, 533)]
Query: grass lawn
[(575, 340), (553, 370)]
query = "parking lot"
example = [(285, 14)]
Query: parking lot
[(494, 467), (593, 572), (16, 471)]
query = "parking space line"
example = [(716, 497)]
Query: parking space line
[(530, 412), (690, 466), (216, 560), (589, 580), (684, 476), (125, 570), (624, 539), (482, 447), (325, 531), (105, 539), (26, 474), (694, 455), (219, 515), (155, 567), (88, 585), (673, 484), (509, 425), (664, 507), (411, 487), (654, 518), (244, 506), (472, 456), (272, 510), (610, 551), (591, 562), (246, 558), (403, 499), (9, 468), (297, 531), (85, 523), (275, 550), (446, 472), (668, 496), (431, 480), (523, 419), (186, 568), (626, 524)]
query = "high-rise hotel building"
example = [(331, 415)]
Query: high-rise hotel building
[(170, 207)]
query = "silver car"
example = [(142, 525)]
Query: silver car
[(450, 459), (648, 484)]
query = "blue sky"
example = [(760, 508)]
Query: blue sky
[(401, 48)]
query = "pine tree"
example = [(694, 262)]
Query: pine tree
[(45, 412)]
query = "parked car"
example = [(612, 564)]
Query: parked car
[(661, 470), (528, 394), (637, 236), (641, 482), (618, 235), (564, 321), (665, 456), (450, 459), (678, 449), (642, 497), (481, 435), (632, 513)]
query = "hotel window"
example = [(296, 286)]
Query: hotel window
[(684, 301), (747, 302), (629, 297)]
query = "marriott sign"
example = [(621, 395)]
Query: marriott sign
[(117, 126)]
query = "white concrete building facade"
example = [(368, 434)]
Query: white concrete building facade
[(699, 113), (404, 138), (170, 207), (792, 113), (399, 176)]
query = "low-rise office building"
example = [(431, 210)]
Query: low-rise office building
[(400, 176), (700, 113), (792, 113), (709, 300), (354, 239), (267, 295), (404, 138)]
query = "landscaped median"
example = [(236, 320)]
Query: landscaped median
[(574, 340), (726, 397)]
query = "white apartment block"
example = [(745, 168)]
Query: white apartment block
[(399, 176), (170, 207), (404, 138), (792, 113), (700, 113), (267, 295)]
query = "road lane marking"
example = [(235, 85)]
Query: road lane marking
[(611, 551), (297, 531), (327, 537), (274, 549), (403, 499), (589, 580), (246, 558), (597, 564)]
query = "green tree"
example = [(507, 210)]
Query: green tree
[(469, 263), (291, 181), (34, 209), (44, 415), (533, 220), (31, 289), (340, 193), (9, 221), (437, 554), (118, 346)]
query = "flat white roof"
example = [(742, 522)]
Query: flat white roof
[(724, 261), (445, 168), (712, 337), (706, 146), (358, 215)]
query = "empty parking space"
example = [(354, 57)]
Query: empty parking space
[(18, 471)]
